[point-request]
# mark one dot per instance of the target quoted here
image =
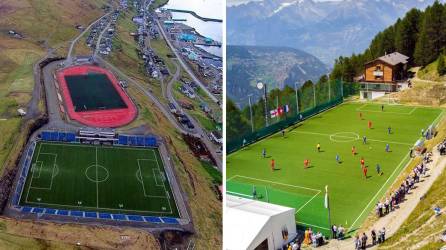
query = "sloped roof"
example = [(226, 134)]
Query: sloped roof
[(393, 59)]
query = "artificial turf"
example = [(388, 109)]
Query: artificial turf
[(99, 178), (93, 92), (351, 195)]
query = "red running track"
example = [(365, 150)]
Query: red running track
[(110, 118)]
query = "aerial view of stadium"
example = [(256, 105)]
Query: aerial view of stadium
[(100, 148)]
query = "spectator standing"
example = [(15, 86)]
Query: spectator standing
[(364, 241), (357, 243), (334, 231), (373, 234)]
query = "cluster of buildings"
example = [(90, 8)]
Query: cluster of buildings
[(106, 27), (190, 43), (154, 65)]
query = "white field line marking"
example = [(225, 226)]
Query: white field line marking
[(97, 178), (278, 183), (164, 184), (34, 168), (154, 177), (52, 173), (74, 207), (377, 193), (168, 181), (239, 194), (142, 181), (438, 117), (313, 225), (231, 178), (308, 202), (32, 175), (27, 173), (321, 134), (385, 112)]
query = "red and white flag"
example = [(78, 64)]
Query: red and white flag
[(273, 113)]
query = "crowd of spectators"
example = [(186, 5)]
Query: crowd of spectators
[(377, 238), (398, 196)]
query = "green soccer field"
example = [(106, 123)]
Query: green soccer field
[(352, 196), (99, 178)]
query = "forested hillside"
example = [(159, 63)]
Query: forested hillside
[(421, 35)]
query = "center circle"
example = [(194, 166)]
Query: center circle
[(344, 137), (96, 173)]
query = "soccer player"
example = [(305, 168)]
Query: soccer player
[(422, 132), (364, 170), (353, 151), (306, 163), (387, 147), (318, 146), (264, 153), (272, 165), (389, 130), (364, 140), (382, 107), (360, 115), (378, 168), (338, 158), (254, 192), (283, 133), (370, 124), (244, 142), (362, 162)]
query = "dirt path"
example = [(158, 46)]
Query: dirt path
[(394, 220)]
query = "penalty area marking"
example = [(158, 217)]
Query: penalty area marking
[(385, 112)]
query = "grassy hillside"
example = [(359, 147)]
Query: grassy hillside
[(430, 73)]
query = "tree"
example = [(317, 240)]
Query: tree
[(236, 126), (431, 42), (407, 33), (441, 67)]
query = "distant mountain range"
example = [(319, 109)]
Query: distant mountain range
[(326, 29), (274, 66)]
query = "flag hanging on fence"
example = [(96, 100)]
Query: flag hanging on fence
[(280, 111), (273, 113)]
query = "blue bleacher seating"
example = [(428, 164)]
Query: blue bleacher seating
[(50, 211), (37, 210), (169, 220), (77, 213), (62, 136), (135, 218), (122, 140), (71, 137), (152, 219), (105, 216), (27, 209), (54, 136), (46, 136), (132, 140), (62, 212), (140, 141), (91, 215), (119, 217)]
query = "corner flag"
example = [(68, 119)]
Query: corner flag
[(326, 197)]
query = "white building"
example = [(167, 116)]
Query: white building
[(250, 224)]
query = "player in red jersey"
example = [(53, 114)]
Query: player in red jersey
[(353, 151), (306, 163), (370, 124), (273, 165), (362, 162), (364, 170)]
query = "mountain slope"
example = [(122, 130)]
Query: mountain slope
[(324, 29), (274, 66)]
